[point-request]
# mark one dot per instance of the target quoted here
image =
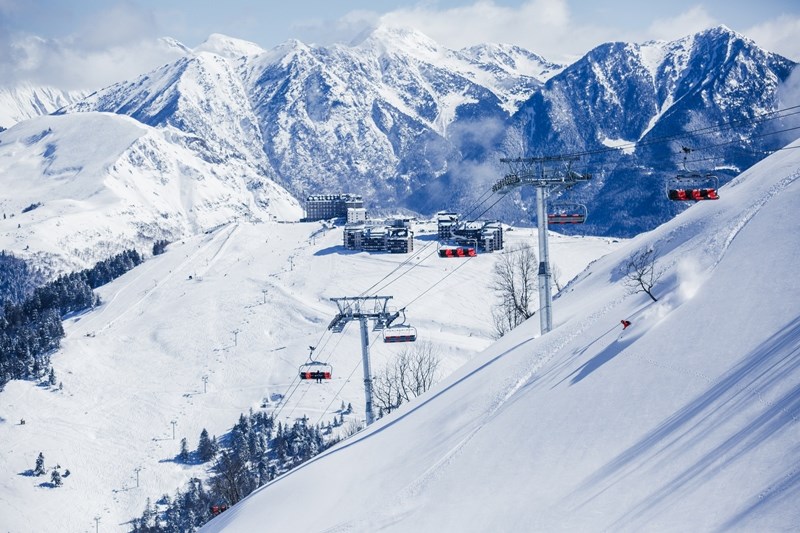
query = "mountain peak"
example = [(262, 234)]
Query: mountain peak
[(228, 47), (385, 37), (721, 32)]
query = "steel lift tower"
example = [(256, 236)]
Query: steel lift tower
[(364, 309), (548, 175)]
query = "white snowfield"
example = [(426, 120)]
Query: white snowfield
[(685, 421), (240, 306)]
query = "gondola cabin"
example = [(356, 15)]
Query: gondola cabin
[(400, 333), (693, 187), (316, 370), (567, 213)]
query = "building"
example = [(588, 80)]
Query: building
[(356, 215), (394, 236), (400, 240), (325, 206), (445, 221), (483, 235)]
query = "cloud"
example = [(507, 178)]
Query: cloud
[(692, 21), (779, 35), (70, 65), (118, 25), (341, 30), (112, 45), (788, 95), (545, 27)]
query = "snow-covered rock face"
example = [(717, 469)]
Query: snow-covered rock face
[(382, 117), (28, 101), (664, 95), (106, 183)]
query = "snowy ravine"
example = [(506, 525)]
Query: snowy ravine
[(239, 305), (685, 421)]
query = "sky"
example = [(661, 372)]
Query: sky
[(88, 44)]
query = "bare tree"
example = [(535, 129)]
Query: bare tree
[(556, 274), (231, 479), (641, 273), (514, 282), (408, 375)]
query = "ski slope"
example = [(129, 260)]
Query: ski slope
[(685, 421), (239, 306)]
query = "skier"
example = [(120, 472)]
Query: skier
[(625, 323)]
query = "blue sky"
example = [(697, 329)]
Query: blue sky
[(90, 42)]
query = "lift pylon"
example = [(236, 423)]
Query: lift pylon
[(548, 175), (363, 309)]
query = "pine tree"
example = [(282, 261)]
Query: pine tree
[(205, 448), (183, 456), (39, 470), (263, 472), (148, 514), (55, 478), (52, 377)]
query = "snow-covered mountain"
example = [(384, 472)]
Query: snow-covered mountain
[(377, 117), (716, 84), (685, 421), (27, 101), (407, 122), (80, 188)]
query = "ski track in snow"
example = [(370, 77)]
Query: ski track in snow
[(149, 293), (749, 213)]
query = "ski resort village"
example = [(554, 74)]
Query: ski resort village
[(389, 284)]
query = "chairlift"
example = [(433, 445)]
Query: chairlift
[(693, 187), (457, 251), (470, 249), (401, 332), (316, 370), (566, 213)]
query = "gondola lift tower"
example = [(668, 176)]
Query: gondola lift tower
[(548, 175), (363, 309)]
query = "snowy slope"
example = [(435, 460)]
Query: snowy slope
[(686, 421), (106, 182), (136, 363)]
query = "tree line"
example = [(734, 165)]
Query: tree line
[(31, 317), (258, 449), (254, 452)]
